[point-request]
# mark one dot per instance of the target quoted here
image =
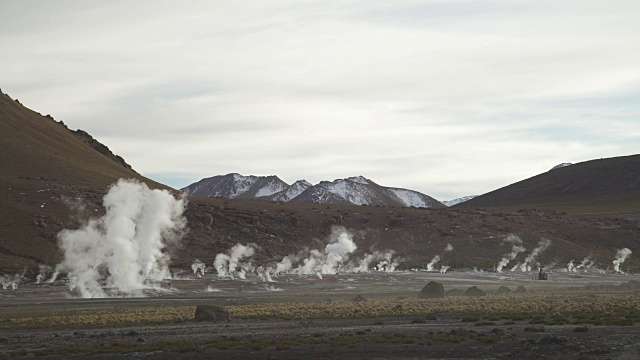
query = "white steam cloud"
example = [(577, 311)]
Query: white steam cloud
[(516, 249), (231, 264), (124, 248), (621, 256)]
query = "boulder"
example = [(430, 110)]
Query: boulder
[(474, 291), (432, 290), (503, 290), (455, 292), (211, 313), (521, 289)]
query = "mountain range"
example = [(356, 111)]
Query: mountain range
[(356, 190), (53, 178)]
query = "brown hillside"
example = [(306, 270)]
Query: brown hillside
[(603, 186)]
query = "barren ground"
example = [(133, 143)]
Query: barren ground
[(570, 316)]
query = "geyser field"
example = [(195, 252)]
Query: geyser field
[(116, 294)]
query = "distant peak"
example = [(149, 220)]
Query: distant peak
[(359, 179), (560, 166)]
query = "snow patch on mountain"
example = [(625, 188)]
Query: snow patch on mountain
[(271, 188), (561, 166), (410, 198), (359, 179), (458, 200)]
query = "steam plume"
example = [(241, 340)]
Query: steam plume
[(198, 265), (542, 246), (621, 256), (437, 258), (571, 267), (231, 264), (11, 281), (126, 244)]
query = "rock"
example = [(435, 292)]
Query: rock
[(358, 298), (503, 290), (552, 339), (474, 291), (455, 292), (432, 290), (211, 313), (521, 289)]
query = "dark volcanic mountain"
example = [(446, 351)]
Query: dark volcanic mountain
[(593, 187), (355, 190)]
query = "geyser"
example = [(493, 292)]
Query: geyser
[(123, 248)]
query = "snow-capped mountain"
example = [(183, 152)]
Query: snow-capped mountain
[(458, 200), (356, 190), (237, 186), (560, 166)]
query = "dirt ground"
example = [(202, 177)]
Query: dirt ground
[(442, 334)]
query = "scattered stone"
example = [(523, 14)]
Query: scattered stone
[(358, 298), (503, 290), (474, 291), (455, 292), (211, 313), (431, 317), (521, 289), (552, 339), (432, 290)]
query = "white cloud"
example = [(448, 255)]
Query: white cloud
[(450, 98)]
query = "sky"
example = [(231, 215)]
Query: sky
[(449, 98)]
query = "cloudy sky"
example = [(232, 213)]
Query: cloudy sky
[(449, 98)]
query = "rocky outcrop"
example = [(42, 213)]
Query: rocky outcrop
[(432, 290), (86, 138)]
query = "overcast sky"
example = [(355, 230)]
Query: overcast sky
[(449, 98)]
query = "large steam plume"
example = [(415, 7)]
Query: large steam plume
[(621, 256), (125, 246)]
